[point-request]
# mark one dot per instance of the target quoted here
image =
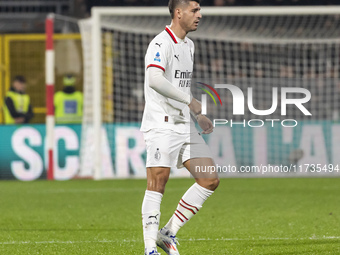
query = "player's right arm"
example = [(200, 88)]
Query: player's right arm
[(157, 59), (161, 85), (203, 121)]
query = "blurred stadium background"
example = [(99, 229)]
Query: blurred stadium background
[(290, 48)]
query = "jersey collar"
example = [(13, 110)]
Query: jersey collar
[(174, 38)]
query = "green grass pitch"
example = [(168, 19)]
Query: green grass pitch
[(244, 216)]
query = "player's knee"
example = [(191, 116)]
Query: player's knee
[(211, 183), (214, 183), (157, 183)]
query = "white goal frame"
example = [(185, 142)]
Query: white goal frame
[(98, 12)]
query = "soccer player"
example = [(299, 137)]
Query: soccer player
[(169, 132)]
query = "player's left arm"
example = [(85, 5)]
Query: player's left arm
[(203, 121)]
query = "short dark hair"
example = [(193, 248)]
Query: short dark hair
[(174, 3), (20, 78)]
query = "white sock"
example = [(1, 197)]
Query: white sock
[(188, 206), (151, 216)]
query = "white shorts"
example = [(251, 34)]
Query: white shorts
[(165, 148)]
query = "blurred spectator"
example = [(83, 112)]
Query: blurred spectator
[(282, 2), (79, 7), (17, 108), (218, 2), (286, 71), (139, 2), (263, 2), (91, 3), (161, 3), (68, 103), (229, 2)]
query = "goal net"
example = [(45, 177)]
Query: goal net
[(266, 49)]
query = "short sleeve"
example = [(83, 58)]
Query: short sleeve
[(157, 55)]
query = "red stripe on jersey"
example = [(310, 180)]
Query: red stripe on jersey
[(171, 35), (179, 217), (189, 205), (182, 214), (187, 208), (152, 65)]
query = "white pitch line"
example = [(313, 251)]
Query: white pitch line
[(261, 238), (184, 240), (58, 242), (97, 190)]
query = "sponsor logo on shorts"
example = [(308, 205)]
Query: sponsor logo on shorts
[(157, 155)]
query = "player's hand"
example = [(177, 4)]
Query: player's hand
[(19, 120), (205, 123)]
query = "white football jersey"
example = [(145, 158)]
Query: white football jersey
[(175, 57)]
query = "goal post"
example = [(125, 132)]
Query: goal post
[(262, 45), (50, 80), (60, 50), (97, 95)]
